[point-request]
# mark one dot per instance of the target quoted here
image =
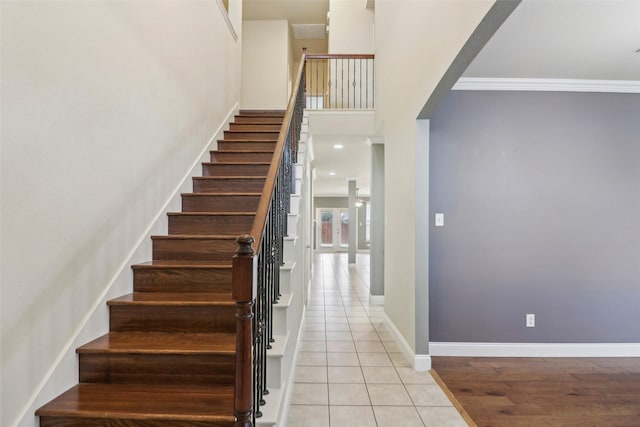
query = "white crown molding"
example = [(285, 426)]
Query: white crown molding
[(548, 85), (480, 349)]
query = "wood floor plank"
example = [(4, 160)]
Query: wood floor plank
[(560, 392)]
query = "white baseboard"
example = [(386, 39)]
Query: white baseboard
[(420, 362), (376, 299), (470, 349)]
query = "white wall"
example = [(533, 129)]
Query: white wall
[(105, 108), (265, 63), (415, 43), (350, 27)]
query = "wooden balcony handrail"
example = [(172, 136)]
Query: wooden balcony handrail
[(339, 56), (253, 257)]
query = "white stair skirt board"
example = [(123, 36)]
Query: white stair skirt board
[(270, 410), (472, 349), (298, 186), (292, 224), (281, 314), (294, 204), (420, 362), (290, 245), (286, 272), (376, 299), (278, 400), (276, 363)]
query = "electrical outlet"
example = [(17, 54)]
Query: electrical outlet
[(531, 320)]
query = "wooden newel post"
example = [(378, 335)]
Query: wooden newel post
[(243, 294)]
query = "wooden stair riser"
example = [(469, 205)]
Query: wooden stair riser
[(253, 135), (196, 249), (255, 127), (259, 119), (224, 145), (235, 169), (174, 369), (211, 184), (234, 225), (205, 202), (241, 156), (181, 279), (167, 318), (263, 113)]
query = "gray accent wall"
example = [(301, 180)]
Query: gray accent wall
[(541, 199)]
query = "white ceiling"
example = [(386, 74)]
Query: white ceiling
[(565, 39), (353, 161), (297, 12)]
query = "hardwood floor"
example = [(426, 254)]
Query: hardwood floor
[(562, 392)]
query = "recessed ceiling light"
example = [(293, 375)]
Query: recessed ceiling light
[(338, 146), (332, 173)]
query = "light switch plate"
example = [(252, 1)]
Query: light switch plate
[(530, 320), (439, 220)]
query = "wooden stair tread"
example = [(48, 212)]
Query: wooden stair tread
[(255, 122), (248, 140), (236, 163), (195, 237), (272, 120), (279, 113), (223, 177), (220, 194), (242, 151), (174, 298), (183, 263), (144, 402), (162, 342), (211, 213)]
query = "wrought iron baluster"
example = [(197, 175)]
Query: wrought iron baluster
[(373, 88), (360, 68), (256, 275)]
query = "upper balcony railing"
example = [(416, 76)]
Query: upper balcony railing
[(340, 82)]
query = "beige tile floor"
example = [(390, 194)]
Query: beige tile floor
[(349, 371)]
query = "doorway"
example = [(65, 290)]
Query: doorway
[(332, 230)]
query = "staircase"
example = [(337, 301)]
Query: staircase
[(169, 356)]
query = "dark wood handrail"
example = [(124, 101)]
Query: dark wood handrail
[(265, 199), (339, 56), (256, 262)]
